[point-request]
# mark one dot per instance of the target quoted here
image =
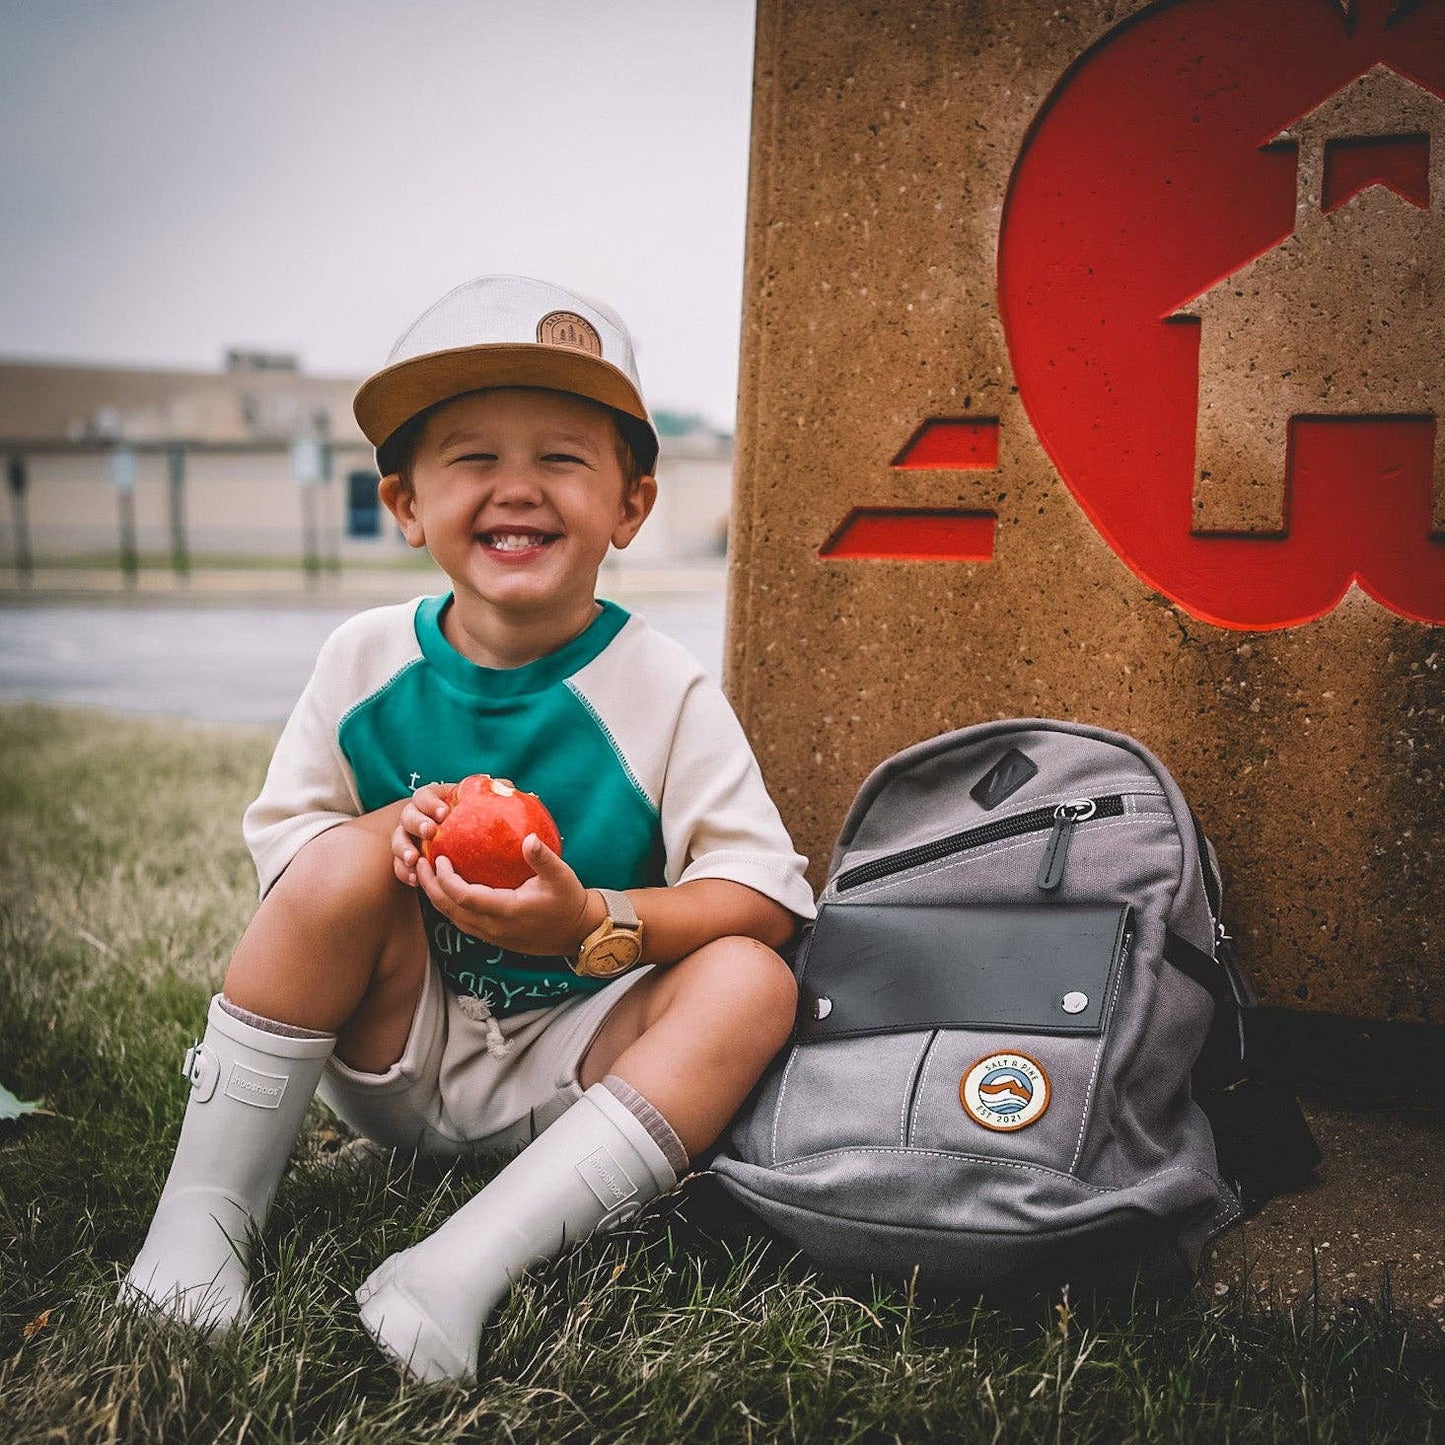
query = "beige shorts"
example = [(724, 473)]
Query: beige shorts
[(449, 1095)]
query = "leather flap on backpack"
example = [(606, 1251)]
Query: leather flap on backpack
[(894, 968)]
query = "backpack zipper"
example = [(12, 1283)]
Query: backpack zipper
[(1067, 817), (1061, 819)]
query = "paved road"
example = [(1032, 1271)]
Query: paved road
[(221, 662)]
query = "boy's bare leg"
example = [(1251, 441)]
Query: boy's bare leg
[(719, 1016), (338, 946)]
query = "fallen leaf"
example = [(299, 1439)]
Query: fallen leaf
[(37, 1324), (13, 1108)]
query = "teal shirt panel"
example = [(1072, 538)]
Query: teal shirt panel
[(443, 717)]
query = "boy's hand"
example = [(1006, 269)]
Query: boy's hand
[(419, 818), (544, 916)]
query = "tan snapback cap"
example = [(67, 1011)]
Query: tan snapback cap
[(503, 331)]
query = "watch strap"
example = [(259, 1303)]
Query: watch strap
[(619, 908)]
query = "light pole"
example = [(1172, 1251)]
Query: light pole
[(24, 562), (176, 472), (122, 476), (306, 469)]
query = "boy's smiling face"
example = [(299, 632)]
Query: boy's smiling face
[(517, 493)]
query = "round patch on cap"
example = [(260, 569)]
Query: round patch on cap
[(567, 328), (1005, 1091)]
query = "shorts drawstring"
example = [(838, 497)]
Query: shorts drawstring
[(476, 1009)]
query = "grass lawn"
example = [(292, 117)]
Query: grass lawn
[(124, 884)]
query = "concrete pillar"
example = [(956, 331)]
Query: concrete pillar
[(1018, 277)]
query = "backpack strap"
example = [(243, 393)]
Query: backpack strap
[(1223, 1058), (1262, 1140)]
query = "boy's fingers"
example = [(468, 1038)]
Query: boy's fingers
[(430, 801), (433, 884), (543, 859), (416, 822), (475, 896)]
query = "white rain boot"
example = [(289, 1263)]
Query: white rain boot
[(249, 1092), (595, 1167)]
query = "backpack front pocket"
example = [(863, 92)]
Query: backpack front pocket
[(990, 1019)]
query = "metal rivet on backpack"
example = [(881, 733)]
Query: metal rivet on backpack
[(822, 1007), (1074, 1003)]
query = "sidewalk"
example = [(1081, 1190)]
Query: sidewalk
[(350, 585), (237, 645)]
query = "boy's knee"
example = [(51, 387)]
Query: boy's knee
[(344, 867), (345, 844), (767, 971), (757, 985)]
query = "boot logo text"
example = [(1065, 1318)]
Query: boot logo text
[(606, 1178), (263, 1091)]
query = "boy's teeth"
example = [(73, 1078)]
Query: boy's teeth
[(513, 541)]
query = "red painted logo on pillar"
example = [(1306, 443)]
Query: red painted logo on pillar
[(927, 534), (1221, 286)]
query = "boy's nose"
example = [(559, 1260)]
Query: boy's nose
[(516, 482)]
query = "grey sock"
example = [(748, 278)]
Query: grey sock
[(269, 1026), (646, 1114)]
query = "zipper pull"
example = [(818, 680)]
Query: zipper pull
[(1067, 816)]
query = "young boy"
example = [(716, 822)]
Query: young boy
[(626, 998)]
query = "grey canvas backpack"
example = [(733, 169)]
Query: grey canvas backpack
[(1011, 981)]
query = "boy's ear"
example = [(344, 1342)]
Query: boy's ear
[(400, 500), (637, 502)]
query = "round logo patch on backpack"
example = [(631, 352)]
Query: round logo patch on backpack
[(1005, 1091)]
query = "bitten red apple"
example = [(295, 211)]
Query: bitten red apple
[(482, 833)]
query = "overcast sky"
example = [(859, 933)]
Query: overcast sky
[(180, 176)]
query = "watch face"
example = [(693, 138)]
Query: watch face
[(613, 955)]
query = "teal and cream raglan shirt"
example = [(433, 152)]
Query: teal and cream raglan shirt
[(633, 749)]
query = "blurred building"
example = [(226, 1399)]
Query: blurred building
[(257, 459)]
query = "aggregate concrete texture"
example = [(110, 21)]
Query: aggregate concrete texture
[(1312, 742)]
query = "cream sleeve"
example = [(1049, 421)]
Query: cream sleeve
[(718, 820), (309, 785)]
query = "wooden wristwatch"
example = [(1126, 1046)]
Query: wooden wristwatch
[(615, 944)]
